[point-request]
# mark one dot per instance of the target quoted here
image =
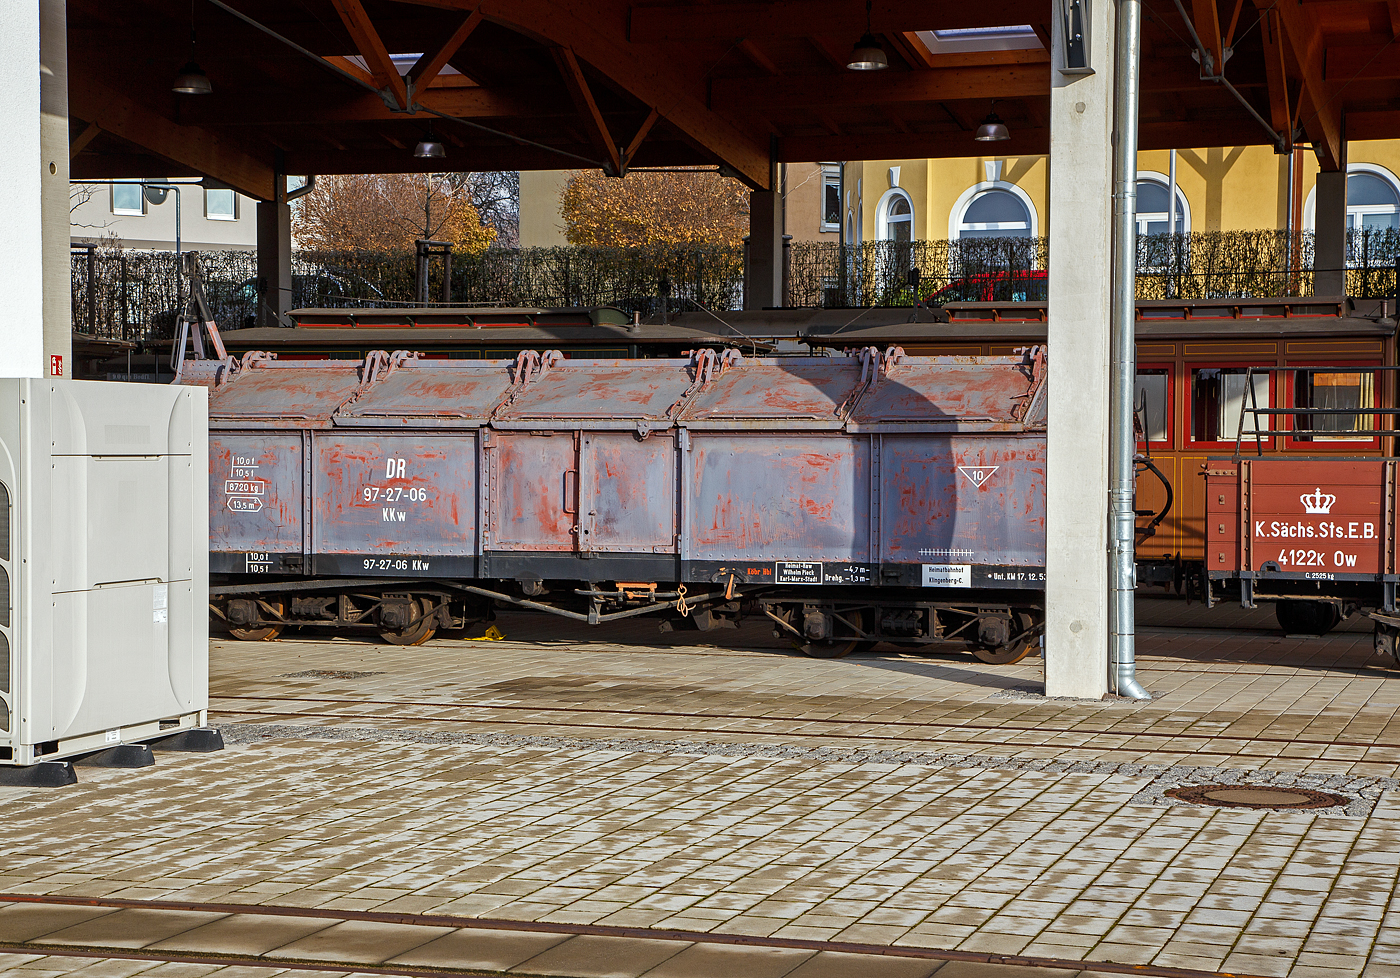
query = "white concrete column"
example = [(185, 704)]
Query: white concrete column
[(1081, 187), (21, 244), (53, 173), (1330, 242), (765, 272)]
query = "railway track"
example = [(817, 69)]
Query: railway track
[(466, 924), (862, 730)]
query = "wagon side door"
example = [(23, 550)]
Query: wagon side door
[(628, 489), (533, 490)]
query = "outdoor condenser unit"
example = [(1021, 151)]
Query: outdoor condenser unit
[(103, 567)]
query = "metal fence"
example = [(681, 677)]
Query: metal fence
[(136, 295), (1192, 265)]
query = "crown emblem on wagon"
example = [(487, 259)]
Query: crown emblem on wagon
[(1317, 501)]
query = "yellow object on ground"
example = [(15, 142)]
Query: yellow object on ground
[(493, 634)]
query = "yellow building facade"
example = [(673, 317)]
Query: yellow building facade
[(1218, 189)]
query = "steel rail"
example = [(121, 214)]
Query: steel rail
[(549, 927), (1102, 755), (804, 721)]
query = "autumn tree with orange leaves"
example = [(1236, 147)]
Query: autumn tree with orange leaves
[(388, 212), (679, 207)]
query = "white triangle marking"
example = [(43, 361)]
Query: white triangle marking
[(978, 474)]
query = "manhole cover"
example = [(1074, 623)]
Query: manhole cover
[(1256, 796), (327, 674)]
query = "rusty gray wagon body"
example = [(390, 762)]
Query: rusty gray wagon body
[(865, 471)]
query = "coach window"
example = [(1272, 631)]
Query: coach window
[(1333, 389), (1152, 403), (1220, 400)]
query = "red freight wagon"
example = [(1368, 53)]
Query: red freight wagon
[(1314, 533)]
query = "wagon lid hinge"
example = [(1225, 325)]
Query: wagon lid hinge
[(869, 367)]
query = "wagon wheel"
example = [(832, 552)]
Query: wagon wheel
[(261, 633), (1307, 617), (415, 634), (1013, 651), (838, 648)]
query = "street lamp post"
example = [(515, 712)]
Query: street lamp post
[(156, 193)]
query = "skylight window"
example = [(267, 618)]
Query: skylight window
[(403, 62), (1019, 37)]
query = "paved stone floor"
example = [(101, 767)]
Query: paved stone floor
[(564, 779)]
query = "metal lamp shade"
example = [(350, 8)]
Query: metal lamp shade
[(867, 55), (192, 81), (992, 130), (429, 149)]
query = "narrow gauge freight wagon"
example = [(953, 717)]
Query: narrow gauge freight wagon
[(852, 499), (1193, 358)]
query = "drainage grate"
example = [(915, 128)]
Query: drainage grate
[(327, 674), (1256, 796)]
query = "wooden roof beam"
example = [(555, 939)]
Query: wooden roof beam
[(475, 156), (636, 143), (645, 74), (1207, 19), (675, 23), (465, 103), (1024, 141), (194, 147), (1321, 117), (761, 60), (426, 70), (587, 107), (367, 41), (885, 87), (83, 138), (1276, 69)]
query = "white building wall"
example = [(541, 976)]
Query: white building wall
[(92, 219)]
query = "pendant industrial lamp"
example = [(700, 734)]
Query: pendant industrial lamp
[(429, 148), (992, 129), (191, 79), (867, 55)]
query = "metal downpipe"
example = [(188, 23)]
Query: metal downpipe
[(1122, 383)]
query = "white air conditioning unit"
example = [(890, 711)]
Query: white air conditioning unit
[(104, 618)]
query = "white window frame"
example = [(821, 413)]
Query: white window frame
[(1310, 208), (220, 217), (882, 214), (955, 216), (1151, 176), (126, 211), (831, 177)]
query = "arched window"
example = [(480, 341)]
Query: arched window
[(994, 212), (895, 217), (1152, 194), (1372, 201)]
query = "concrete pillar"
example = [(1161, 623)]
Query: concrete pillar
[(1081, 182), (765, 255), (274, 257), (21, 245), (53, 173), (1330, 242)]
